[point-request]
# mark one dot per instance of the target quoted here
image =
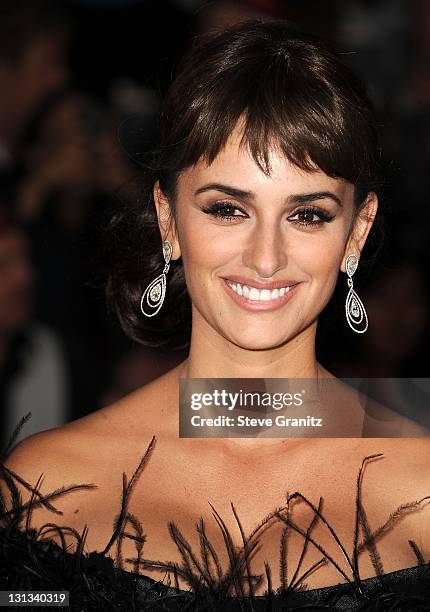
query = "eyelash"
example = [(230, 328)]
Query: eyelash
[(217, 209)]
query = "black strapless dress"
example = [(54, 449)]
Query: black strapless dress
[(30, 560)]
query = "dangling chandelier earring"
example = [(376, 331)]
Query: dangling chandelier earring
[(153, 296), (354, 308)]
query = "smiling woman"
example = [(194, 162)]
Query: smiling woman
[(301, 134), (265, 238), (262, 190)]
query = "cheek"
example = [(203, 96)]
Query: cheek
[(205, 249), (320, 256), (320, 265)]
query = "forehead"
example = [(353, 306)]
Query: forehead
[(235, 165)]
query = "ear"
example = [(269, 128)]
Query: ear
[(361, 228), (166, 221)]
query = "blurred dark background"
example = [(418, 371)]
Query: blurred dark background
[(80, 77)]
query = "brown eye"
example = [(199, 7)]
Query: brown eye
[(224, 211), (311, 216), (307, 216)]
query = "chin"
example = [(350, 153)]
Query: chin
[(257, 342)]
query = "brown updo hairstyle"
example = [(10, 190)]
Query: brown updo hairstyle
[(292, 92)]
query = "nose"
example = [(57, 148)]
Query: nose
[(265, 250)]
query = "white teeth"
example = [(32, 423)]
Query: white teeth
[(263, 295)]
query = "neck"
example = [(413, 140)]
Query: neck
[(212, 356)]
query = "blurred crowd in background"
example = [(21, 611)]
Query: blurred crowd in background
[(81, 83)]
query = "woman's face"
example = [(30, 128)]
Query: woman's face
[(241, 231)]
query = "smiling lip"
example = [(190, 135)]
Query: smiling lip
[(261, 305), (261, 284)]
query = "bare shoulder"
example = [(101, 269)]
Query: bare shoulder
[(406, 456), (413, 457), (88, 456), (418, 450), (40, 474), (154, 405), (406, 476), (57, 464), (133, 415)]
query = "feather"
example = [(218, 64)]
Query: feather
[(30, 559)]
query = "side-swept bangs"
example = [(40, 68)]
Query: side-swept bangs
[(289, 91)]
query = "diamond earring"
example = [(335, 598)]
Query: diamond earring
[(154, 294), (354, 307)]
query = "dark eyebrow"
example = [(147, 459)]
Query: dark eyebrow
[(232, 191), (300, 198), (304, 198)]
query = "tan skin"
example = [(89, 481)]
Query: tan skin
[(183, 475)]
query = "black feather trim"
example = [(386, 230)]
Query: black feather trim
[(31, 560)]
